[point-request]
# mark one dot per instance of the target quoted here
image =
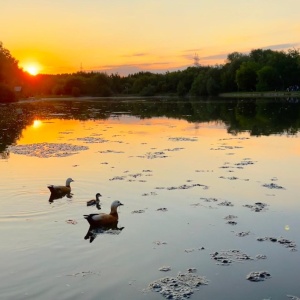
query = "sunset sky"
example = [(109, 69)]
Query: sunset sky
[(125, 36)]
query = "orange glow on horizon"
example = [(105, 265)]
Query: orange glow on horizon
[(127, 47), (32, 68)]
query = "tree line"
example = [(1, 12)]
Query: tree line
[(260, 70), (258, 117)]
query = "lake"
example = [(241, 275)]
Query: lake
[(210, 192)]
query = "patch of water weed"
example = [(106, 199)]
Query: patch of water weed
[(230, 217), (84, 273), (139, 211), (209, 199), (273, 186), (225, 203), (173, 149), (239, 165), (180, 287), (92, 140), (131, 177), (233, 178), (159, 243), (242, 233), (257, 207), (110, 151), (291, 245), (226, 147), (183, 139), (153, 155), (46, 150), (258, 276), (231, 222), (165, 269), (183, 187), (150, 194), (227, 257), (163, 209)]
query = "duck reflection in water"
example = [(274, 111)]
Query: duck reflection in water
[(55, 196), (104, 223), (94, 231)]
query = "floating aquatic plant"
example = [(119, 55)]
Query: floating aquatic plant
[(227, 257), (178, 288), (140, 211), (45, 150), (92, 140), (165, 269), (230, 217), (282, 241), (183, 139), (258, 276), (225, 203), (242, 234), (257, 207), (273, 186), (183, 187), (231, 222)]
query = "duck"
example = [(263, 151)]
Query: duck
[(105, 220), (95, 201), (61, 189)]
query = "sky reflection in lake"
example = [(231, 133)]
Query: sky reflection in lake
[(189, 190)]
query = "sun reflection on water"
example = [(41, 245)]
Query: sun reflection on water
[(37, 123)]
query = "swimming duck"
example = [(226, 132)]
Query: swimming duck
[(95, 202), (105, 220), (61, 189)]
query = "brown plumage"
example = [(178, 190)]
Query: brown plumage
[(95, 201), (105, 220), (61, 189)]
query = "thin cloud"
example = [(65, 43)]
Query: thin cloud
[(135, 55), (209, 57), (216, 56), (140, 65), (127, 69), (282, 46)]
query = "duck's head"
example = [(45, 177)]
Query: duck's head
[(68, 181), (116, 204), (98, 195)]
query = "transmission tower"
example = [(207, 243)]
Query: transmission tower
[(196, 60)]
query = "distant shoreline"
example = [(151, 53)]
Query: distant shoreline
[(136, 97), (274, 94)]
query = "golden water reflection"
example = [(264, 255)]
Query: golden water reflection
[(37, 123), (173, 175)]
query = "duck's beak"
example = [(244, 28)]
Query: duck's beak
[(121, 203)]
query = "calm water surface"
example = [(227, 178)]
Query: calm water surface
[(174, 166)]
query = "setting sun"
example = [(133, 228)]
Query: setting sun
[(32, 70), (31, 67)]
